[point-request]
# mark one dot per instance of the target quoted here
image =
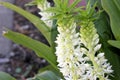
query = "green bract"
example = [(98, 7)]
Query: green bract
[(64, 11)]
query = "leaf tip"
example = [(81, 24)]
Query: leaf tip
[(4, 32)]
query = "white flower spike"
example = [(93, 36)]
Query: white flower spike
[(71, 62), (44, 5), (100, 68)]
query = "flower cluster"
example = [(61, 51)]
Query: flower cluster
[(90, 40), (78, 53), (68, 51), (44, 5)]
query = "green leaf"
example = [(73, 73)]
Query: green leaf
[(112, 7), (45, 30), (74, 4), (92, 2), (40, 1), (5, 76), (54, 33), (66, 2), (32, 3), (57, 3), (117, 2), (47, 75), (50, 68), (114, 43), (41, 49)]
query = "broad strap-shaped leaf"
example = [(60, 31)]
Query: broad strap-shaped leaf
[(112, 7), (114, 43), (5, 76), (45, 30), (41, 49), (46, 75)]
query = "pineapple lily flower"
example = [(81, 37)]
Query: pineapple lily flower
[(78, 54), (44, 5), (69, 57), (100, 68)]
